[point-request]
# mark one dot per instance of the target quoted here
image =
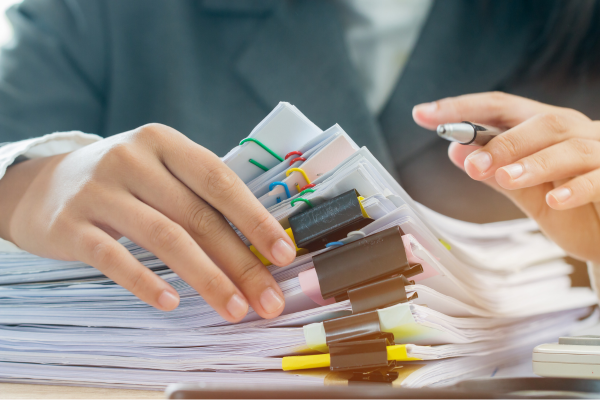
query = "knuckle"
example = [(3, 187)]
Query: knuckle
[(151, 131), (165, 236), (222, 182), (104, 254), (576, 115), (497, 101), (510, 144), (553, 123), (262, 225), (541, 163), (498, 97), (204, 221), (214, 283), (248, 270), (582, 147), (119, 151), (153, 135), (138, 281), (587, 185)]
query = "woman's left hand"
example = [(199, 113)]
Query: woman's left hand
[(547, 162)]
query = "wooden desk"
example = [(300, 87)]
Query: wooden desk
[(31, 391)]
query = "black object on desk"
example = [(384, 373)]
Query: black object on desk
[(515, 388)]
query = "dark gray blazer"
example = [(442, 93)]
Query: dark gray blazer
[(213, 69)]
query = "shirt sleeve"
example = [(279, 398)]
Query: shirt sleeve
[(44, 146)]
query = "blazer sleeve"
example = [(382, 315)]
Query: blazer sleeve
[(53, 72)]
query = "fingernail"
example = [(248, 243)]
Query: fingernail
[(271, 301), (167, 300), (237, 306), (481, 160), (282, 252), (561, 195), (427, 108), (514, 170)]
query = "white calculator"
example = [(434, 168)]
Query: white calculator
[(571, 357)]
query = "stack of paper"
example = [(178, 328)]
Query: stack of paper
[(487, 294)]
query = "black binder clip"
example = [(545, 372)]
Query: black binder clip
[(329, 222)]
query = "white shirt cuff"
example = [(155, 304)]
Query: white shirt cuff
[(44, 146)]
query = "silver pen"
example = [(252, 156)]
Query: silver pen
[(468, 133)]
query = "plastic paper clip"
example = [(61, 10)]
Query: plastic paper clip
[(302, 193), (334, 244), (258, 142), (305, 187), (289, 171), (307, 201), (268, 150), (291, 153), (297, 159), (259, 165), (285, 186)]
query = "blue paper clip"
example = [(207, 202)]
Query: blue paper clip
[(285, 186), (333, 244)]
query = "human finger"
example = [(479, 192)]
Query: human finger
[(491, 108), (530, 137), (207, 176), (458, 153), (104, 253), (215, 236), (563, 160), (577, 192), (173, 245)]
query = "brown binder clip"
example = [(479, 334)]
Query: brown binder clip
[(381, 294), (357, 344), (371, 259), (372, 273), (354, 327)]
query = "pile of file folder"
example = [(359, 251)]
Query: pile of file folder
[(382, 289)]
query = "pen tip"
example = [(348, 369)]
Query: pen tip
[(441, 129)]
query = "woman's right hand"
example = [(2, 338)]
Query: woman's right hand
[(166, 193)]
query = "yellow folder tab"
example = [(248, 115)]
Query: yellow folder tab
[(266, 262), (396, 352), (364, 212)]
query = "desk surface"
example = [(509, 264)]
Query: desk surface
[(30, 391)]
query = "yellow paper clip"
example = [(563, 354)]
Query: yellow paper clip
[(396, 352), (289, 171)]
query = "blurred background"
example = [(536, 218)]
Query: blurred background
[(5, 29)]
